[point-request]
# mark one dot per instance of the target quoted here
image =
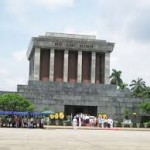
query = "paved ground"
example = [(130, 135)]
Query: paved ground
[(69, 139)]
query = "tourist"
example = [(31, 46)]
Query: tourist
[(0, 121), (110, 123), (91, 122), (80, 121), (42, 123), (102, 122), (74, 123), (29, 122), (9, 121), (16, 122)]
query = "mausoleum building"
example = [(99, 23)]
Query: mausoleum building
[(69, 58), (70, 73)]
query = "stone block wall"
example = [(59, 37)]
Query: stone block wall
[(55, 96)]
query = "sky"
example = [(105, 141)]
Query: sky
[(123, 22)]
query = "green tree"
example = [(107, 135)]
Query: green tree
[(123, 86), (127, 113), (115, 77), (146, 92), (15, 102), (145, 106), (137, 87)]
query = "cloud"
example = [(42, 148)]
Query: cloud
[(139, 28), (127, 24), (115, 13), (124, 22), (3, 72), (132, 59), (18, 7), (26, 12), (74, 30), (14, 70), (20, 55), (54, 4), (126, 18)]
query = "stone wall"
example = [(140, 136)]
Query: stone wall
[(55, 96)]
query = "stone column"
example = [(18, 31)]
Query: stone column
[(107, 68), (31, 67), (51, 70), (79, 70), (93, 62), (36, 74), (65, 75)]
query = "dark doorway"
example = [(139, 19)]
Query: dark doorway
[(74, 109)]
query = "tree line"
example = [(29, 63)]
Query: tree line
[(137, 87), (15, 102)]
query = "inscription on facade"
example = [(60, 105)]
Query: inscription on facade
[(74, 45)]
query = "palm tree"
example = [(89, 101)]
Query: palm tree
[(137, 87), (116, 77), (123, 86), (146, 92)]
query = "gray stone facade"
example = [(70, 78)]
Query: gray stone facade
[(55, 96), (66, 43)]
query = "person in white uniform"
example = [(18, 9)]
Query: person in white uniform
[(74, 123)]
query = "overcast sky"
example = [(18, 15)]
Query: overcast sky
[(124, 22)]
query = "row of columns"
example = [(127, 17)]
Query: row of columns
[(36, 72)]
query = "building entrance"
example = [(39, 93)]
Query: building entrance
[(74, 109)]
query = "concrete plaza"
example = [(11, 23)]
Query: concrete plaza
[(69, 139)]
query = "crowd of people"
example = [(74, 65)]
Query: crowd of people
[(87, 120), (21, 121), (79, 120)]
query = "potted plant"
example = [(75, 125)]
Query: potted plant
[(122, 124), (115, 123), (52, 117), (137, 125), (61, 118), (145, 124), (56, 119), (65, 122), (131, 125), (68, 118)]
